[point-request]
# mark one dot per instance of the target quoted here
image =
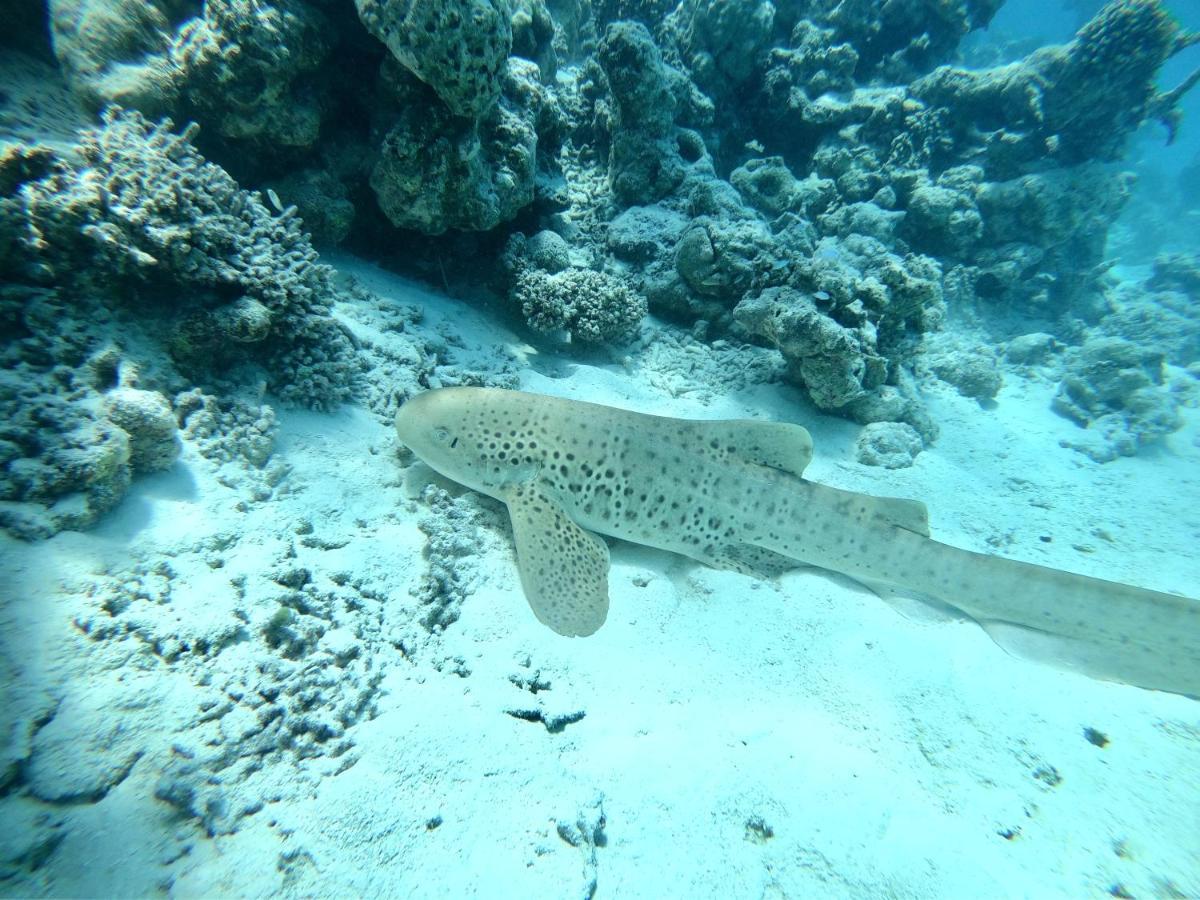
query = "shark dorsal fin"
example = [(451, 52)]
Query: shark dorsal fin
[(776, 445), (911, 515)]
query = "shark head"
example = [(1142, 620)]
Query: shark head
[(431, 425), (454, 431)]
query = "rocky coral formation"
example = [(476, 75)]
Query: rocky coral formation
[(1160, 312), (322, 203), (1032, 349), (139, 213), (148, 419), (89, 402), (1114, 388), (644, 161), (897, 41), (1178, 272), (1067, 104), (458, 47), (971, 368), (227, 430), (722, 42), (836, 364), (436, 171)]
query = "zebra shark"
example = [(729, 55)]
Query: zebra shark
[(732, 494)]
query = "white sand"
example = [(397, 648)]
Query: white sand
[(740, 738)]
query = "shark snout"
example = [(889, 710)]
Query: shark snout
[(415, 422)]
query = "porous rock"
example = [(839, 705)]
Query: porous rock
[(458, 47), (147, 418), (892, 445)]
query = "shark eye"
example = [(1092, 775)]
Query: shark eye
[(442, 435)]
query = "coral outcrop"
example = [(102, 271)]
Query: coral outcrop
[(1114, 388), (436, 170), (249, 71), (138, 213), (458, 47)]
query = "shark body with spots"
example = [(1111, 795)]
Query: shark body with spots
[(731, 494)]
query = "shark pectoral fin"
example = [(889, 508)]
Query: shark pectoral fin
[(776, 445), (564, 569)]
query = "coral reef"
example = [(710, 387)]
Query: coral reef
[(138, 213), (227, 431), (322, 203), (1067, 104), (437, 171), (458, 47), (1114, 388), (821, 180)]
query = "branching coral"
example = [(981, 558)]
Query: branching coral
[(593, 306)]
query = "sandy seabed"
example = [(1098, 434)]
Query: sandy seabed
[(721, 736)]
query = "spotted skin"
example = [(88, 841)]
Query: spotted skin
[(731, 494)]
